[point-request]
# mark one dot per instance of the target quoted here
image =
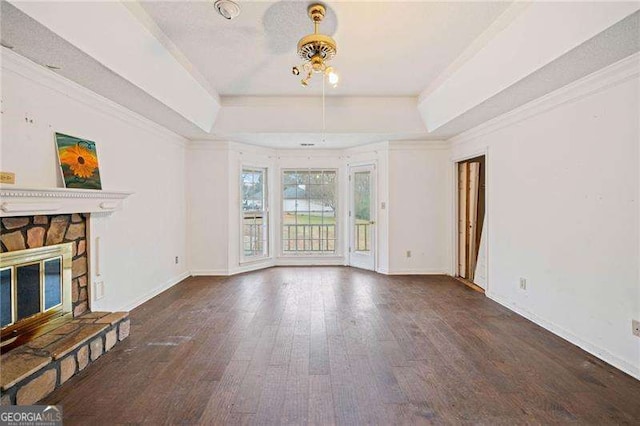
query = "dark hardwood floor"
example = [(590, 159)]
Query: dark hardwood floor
[(334, 345)]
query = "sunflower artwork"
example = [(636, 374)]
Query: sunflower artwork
[(78, 162)]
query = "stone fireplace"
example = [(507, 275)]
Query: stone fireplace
[(49, 331)]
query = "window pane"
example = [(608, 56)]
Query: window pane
[(255, 230), (294, 178), (5, 297), (52, 283), (28, 290), (316, 177), (309, 201)]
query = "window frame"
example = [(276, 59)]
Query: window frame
[(338, 237), (244, 258)]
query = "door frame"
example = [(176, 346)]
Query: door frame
[(374, 213), (454, 210)]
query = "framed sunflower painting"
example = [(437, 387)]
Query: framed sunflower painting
[(78, 162)]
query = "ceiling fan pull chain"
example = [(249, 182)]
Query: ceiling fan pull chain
[(324, 122)]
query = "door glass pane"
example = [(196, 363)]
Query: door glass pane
[(362, 210), (5, 297), (52, 283), (28, 290)]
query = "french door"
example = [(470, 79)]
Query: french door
[(362, 217)]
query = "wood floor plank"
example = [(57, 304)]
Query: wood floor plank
[(220, 405), (321, 411), (272, 396), (319, 351)]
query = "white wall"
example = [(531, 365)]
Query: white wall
[(140, 242), (208, 208), (419, 176), (562, 194)]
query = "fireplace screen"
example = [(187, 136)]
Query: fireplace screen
[(34, 283), (36, 288)]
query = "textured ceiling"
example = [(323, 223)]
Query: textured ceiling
[(384, 48)]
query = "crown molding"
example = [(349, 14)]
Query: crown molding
[(206, 145), (245, 148), (35, 201), (602, 79), (368, 148), (24, 67), (418, 145)]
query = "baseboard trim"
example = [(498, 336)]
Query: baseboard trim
[(209, 272), (249, 267), (156, 291), (413, 272), (594, 350)]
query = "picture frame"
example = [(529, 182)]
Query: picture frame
[(78, 160)]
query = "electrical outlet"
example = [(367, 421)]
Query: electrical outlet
[(635, 324), (177, 260), (408, 253), (99, 288), (523, 283)]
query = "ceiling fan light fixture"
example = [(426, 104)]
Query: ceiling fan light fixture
[(317, 49), (227, 8), (332, 76)]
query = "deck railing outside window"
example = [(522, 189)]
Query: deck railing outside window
[(311, 238)]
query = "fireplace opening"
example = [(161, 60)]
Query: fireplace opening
[(35, 288)]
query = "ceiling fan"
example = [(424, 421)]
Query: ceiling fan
[(316, 50)]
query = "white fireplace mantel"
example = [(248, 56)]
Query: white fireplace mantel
[(39, 201)]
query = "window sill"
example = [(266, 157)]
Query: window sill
[(306, 255)]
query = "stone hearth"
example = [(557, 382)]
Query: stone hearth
[(34, 370)]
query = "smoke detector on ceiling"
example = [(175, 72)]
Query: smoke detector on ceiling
[(227, 8)]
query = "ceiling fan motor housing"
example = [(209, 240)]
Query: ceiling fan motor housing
[(316, 45)]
